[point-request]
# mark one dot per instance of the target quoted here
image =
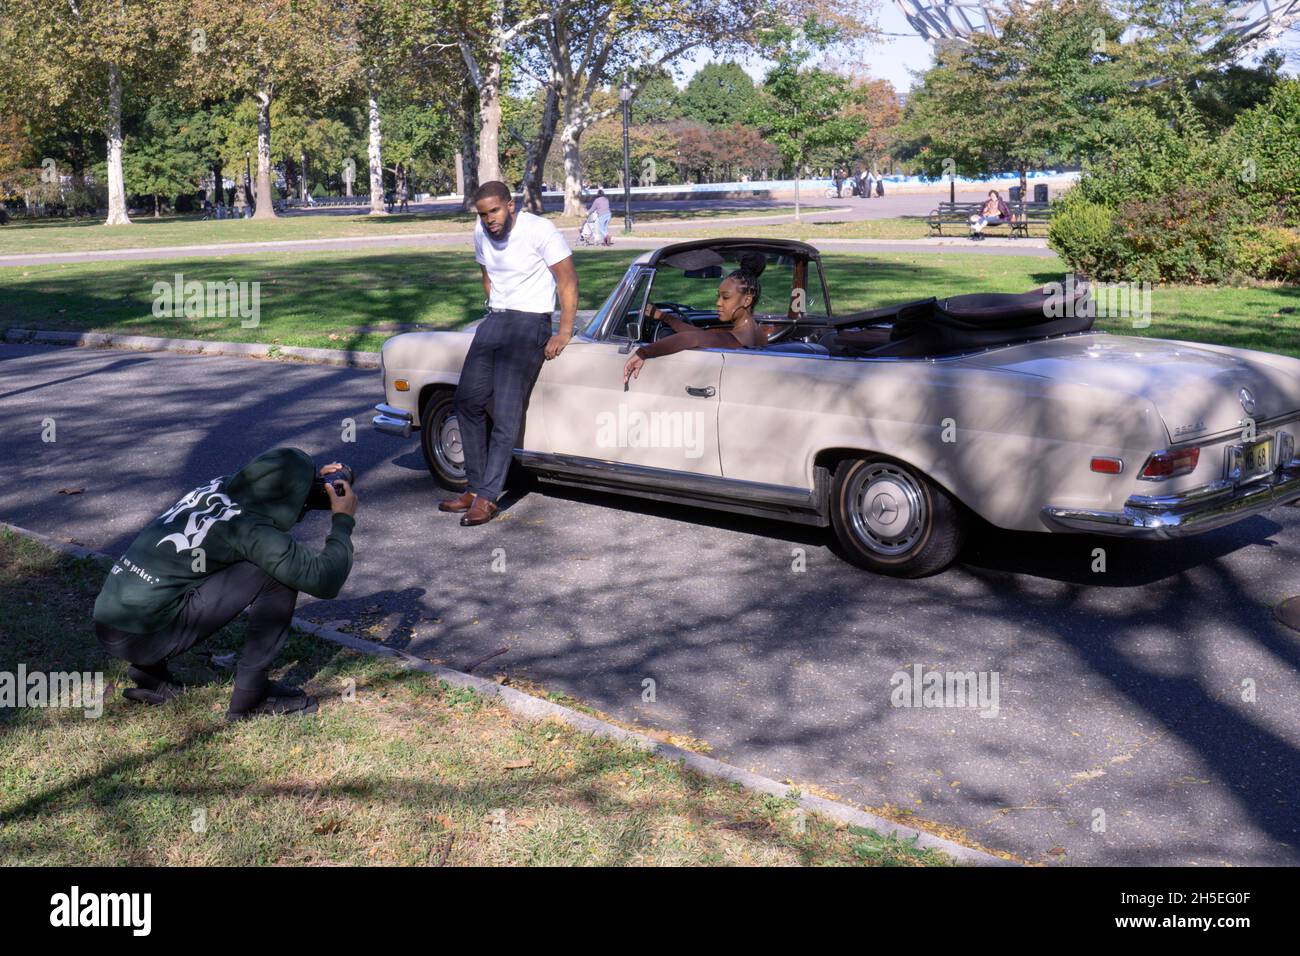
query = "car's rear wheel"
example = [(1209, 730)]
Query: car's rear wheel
[(440, 440), (893, 520)]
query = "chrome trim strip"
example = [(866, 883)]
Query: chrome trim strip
[(1214, 489), (680, 483), (1177, 516)]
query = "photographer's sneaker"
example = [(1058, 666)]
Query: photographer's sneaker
[(272, 705)]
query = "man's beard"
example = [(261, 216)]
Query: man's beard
[(506, 227)]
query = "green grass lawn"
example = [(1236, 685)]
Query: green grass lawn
[(901, 227), (329, 299), (410, 772), (32, 237)]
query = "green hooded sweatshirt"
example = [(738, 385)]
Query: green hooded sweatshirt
[(240, 517)]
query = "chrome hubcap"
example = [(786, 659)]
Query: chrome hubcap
[(886, 509), (447, 449)]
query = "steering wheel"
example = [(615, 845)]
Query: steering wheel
[(781, 334), (662, 329)]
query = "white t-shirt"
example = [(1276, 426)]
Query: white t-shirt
[(518, 266)]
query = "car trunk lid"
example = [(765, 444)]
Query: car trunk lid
[(1199, 391)]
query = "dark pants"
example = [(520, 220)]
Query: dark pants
[(207, 609), (499, 372)]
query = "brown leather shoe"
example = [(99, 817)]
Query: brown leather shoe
[(461, 503), (480, 512)]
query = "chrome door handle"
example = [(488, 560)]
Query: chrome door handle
[(707, 392)]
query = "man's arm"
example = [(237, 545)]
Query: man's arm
[(566, 288), (487, 283)]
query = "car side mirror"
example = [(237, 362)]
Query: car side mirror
[(633, 335)]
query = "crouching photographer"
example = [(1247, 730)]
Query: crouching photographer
[(221, 548)]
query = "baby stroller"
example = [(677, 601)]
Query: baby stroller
[(587, 236)]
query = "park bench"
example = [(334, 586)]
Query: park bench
[(1022, 214)]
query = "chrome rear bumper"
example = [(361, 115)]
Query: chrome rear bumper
[(393, 421), (1177, 516)]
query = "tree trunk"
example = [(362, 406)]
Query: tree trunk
[(538, 150), (113, 133), (265, 203), (489, 112), (570, 137), (1024, 185), (375, 154), (797, 172), (218, 190), (469, 146)]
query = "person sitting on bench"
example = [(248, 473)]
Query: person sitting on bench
[(994, 212)]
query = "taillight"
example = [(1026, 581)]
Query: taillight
[(1107, 466), (1170, 464)]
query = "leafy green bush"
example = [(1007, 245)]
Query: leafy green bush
[(1181, 236), (1184, 207), (1149, 155), (1264, 144), (1263, 252), (1082, 233)]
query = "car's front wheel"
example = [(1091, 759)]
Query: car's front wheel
[(893, 520), (440, 440)]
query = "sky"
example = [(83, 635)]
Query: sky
[(889, 59), (900, 49)]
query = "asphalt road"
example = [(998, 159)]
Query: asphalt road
[(1120, 693)]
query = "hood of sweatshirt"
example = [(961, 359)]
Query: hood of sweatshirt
[(275, 485)]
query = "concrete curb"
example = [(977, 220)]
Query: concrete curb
[(534, 708), (113, 340)]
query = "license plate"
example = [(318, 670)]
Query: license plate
[(1250, 460)]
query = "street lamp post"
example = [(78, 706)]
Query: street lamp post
[(302, 176), (625, 94), (248, 180)]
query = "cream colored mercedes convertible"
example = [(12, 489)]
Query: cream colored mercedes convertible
[(894, 426)]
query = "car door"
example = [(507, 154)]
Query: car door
[(667, 418)]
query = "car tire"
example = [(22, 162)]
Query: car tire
[(892, 520), (440, 440)]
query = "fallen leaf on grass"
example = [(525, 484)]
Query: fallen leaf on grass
[(518, 764), (332, 825)]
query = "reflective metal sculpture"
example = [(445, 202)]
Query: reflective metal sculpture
[(957, 19)]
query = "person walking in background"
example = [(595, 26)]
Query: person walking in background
[(600, 208), (838, 178)]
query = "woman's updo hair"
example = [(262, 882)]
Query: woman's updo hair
[(752, 265)]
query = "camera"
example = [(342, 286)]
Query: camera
[(318, 498)]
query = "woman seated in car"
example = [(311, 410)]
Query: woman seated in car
[(737, 295)]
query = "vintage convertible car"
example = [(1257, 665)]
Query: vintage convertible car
[(893, 426)]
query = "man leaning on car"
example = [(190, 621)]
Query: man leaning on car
[(524, 259)]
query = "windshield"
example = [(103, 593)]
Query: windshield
[(790, 287)]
